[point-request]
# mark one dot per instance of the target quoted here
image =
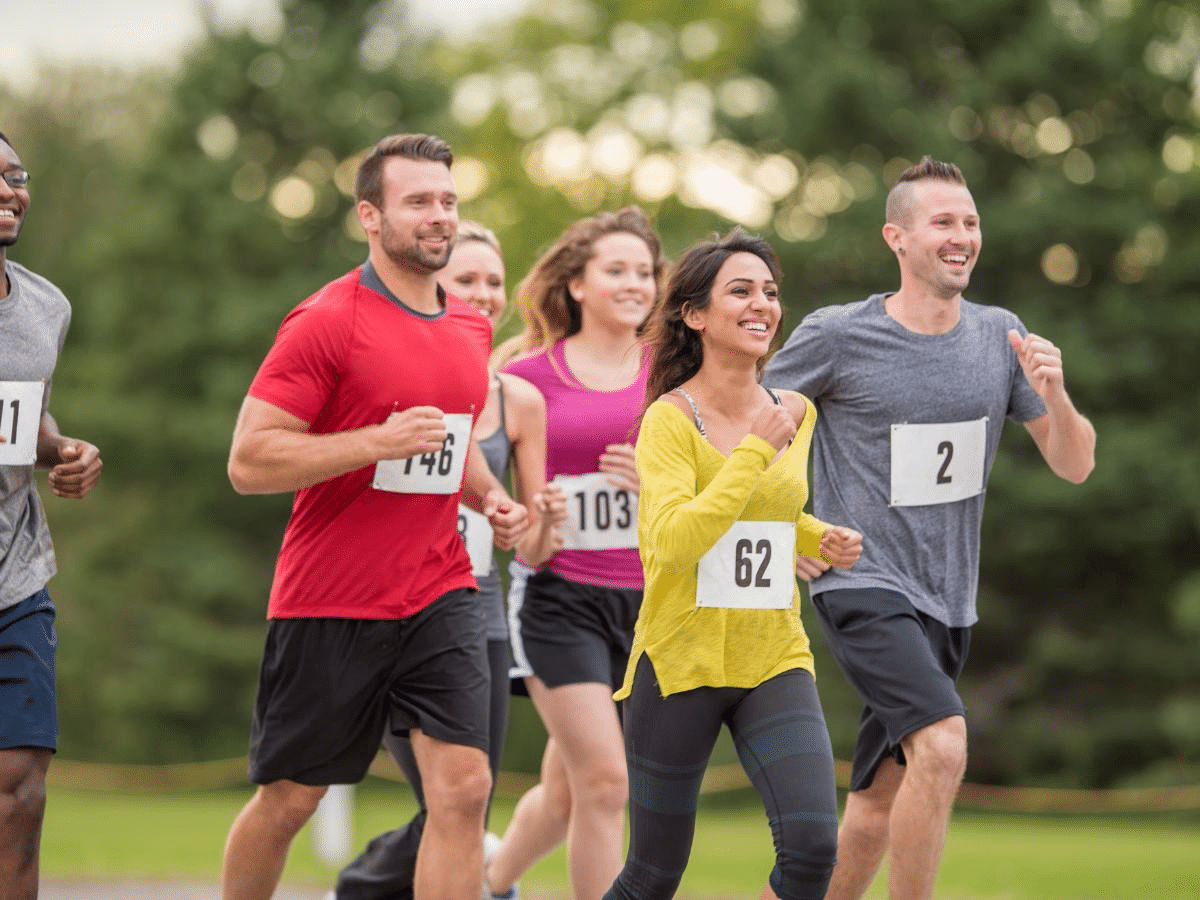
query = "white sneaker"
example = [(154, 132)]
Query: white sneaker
[(491, 844)]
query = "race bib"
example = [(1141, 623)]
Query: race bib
[(600, 515), (476, 532), (436, 472), (20, 419), (752, 566), (939, 463)]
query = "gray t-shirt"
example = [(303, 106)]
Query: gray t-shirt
[(33, 325), (872, 381)]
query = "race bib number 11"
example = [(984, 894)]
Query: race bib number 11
[(20, 418), (437, 472)]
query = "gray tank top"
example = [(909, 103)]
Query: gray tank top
[(497, 450)]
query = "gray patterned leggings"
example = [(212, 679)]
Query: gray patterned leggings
[(781, 739)]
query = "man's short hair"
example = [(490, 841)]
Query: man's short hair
[(368, 183), (899, 200), (4, 137)]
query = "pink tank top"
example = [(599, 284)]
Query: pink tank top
[(580, 423)]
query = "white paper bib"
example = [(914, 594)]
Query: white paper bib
[(600, 515), (20, 420), (940, 463), (476, 532), (752, 566), (438, 472)]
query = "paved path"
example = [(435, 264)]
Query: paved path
[(155, 890)]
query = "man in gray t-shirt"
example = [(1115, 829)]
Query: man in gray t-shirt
[(33, 323), (912, 390)]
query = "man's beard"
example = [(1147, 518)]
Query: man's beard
[(412, 255)]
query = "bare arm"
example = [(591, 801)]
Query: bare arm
[(273, 451), (1065, 438), (546, 502), (74, 464), (484, 493)]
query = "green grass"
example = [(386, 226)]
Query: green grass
[(101, 835)]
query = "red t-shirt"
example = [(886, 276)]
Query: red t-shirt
[(344, 358)]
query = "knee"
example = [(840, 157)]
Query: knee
[(939, 751), (23, 801), (804, 862), (867, 819), (607, 787), (289, 805), (464, 796)]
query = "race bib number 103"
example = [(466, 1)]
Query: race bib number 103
[(600, 515)]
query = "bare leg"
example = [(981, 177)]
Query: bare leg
[(863, 837), (258, 843), (937, 758), (22, 806), (539, 824), (457, 786), (582, 719)]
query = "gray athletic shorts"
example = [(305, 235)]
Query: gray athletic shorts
[(903, 663)]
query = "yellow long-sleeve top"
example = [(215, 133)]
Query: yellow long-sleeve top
[(691, 494)]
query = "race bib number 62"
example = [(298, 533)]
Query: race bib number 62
[(751, 566), (20, 418)]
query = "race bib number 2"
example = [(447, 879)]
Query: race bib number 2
[(436, 472), (600, 515), (752, 566), (20, 418), (938, 463)]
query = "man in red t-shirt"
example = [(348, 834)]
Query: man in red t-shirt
[(364, 407)]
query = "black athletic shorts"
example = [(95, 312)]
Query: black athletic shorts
[(903, 663), (329, 687), (568, 632)]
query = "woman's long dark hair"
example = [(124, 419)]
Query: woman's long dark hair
[(678, 351)]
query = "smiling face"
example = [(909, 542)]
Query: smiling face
[(939, 242), (14, 202), (617, 288), (416, 224), (475, 273), (743, 312)]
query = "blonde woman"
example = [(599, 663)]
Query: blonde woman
[(582, 304)]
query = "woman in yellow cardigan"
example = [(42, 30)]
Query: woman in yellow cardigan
[(723, 466)]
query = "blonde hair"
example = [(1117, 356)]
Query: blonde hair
[(544, 299)]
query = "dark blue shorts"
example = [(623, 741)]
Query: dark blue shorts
[(903, 663), (28, 652)]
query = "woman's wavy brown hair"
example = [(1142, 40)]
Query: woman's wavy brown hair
[(678, 351), (543, 298)]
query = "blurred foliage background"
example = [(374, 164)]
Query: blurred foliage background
[(185, 213)]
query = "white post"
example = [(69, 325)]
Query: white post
[(333, 825)]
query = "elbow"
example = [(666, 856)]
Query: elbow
[(1079, 475), (242, 477)]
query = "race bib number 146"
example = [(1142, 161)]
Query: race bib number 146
[(437, 472)]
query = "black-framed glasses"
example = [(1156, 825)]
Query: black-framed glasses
[(16, 178)]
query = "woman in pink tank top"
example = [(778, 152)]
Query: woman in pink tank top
[(583, 304)]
